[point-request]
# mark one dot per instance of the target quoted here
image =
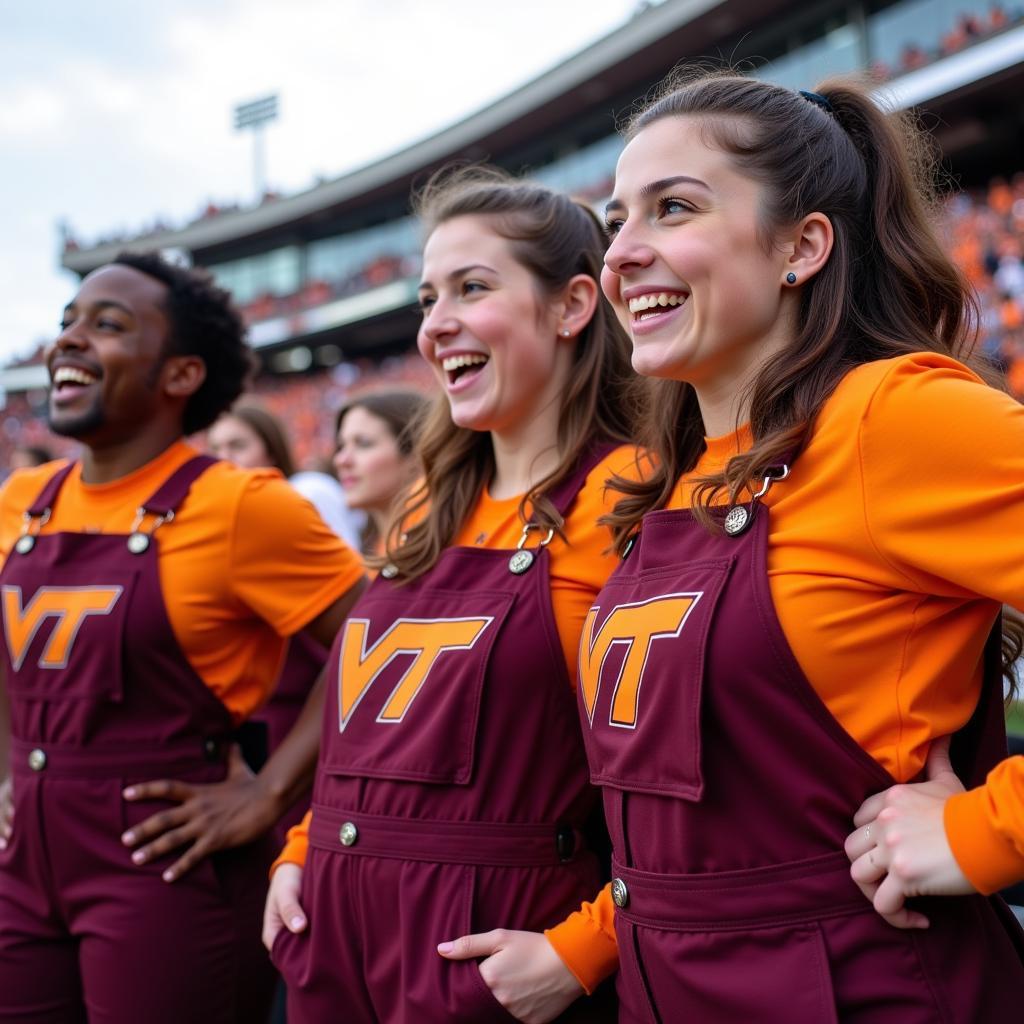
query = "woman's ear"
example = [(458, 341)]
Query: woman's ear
[(577, 305), (810, 245)]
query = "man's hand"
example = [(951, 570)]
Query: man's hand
[(209, 817)]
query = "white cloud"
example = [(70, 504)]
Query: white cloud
[(31, 112)]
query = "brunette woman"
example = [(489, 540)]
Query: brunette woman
[(810, 590), (452, 791)]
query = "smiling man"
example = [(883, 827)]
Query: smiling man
[(146, 595)]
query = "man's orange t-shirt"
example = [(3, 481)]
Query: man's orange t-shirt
[(245, 563)]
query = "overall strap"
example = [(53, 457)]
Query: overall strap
[(737, 518), (171, 493), (48, 495), (564, 492)]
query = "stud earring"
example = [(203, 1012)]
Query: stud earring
[(791, 278), (565, 332)]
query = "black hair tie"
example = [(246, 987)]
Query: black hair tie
[(818, 100)]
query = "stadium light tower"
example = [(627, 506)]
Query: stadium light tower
[(254, 115)]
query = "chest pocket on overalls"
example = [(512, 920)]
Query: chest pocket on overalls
[(407, 678), (65, 639), (641, 677)]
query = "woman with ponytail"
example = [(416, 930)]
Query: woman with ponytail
[(809, 596)]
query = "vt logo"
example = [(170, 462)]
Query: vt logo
[(635, 627), (68, 605), (425, 639)]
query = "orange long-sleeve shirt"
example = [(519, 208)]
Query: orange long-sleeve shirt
[(891, 546), (245, 563)]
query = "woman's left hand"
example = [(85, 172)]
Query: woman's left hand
[(522, 970), (900, 849), (209, 817)]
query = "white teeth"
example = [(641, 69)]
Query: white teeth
[(652, 299), (457, 362), (71, 375)]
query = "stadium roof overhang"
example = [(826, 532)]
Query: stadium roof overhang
[(655, 38), (969, 69)]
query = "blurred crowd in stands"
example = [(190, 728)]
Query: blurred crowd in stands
[(967, 29), (986, 238), (309, 403), (380, 271), (985, 232)]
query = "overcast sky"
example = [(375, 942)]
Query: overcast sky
[(118, 112)]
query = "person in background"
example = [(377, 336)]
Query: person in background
[(376, 434)]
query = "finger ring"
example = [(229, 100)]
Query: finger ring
[(867, 832)]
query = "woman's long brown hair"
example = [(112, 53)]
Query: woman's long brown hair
[(554, 238), (888, 287)]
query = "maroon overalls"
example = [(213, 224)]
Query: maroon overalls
[(101, 696), (729, 790), (450, 796)]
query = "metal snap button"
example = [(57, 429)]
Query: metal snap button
[(620, 894), (737, 521), (137, 543), (37, 760), (348, 834), (520, 562)]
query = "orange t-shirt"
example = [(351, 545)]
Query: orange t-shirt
[(580, 565), (891, 546), (245, 563)]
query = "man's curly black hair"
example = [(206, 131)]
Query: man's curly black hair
[(204, 322)]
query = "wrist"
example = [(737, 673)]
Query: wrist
[(270, 796)]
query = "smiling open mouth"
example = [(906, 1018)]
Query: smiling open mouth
[(457, 367), (643, 307), (67, 380)]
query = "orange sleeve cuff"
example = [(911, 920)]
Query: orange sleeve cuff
[(586, 942), (989, 858), (296, 845)]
